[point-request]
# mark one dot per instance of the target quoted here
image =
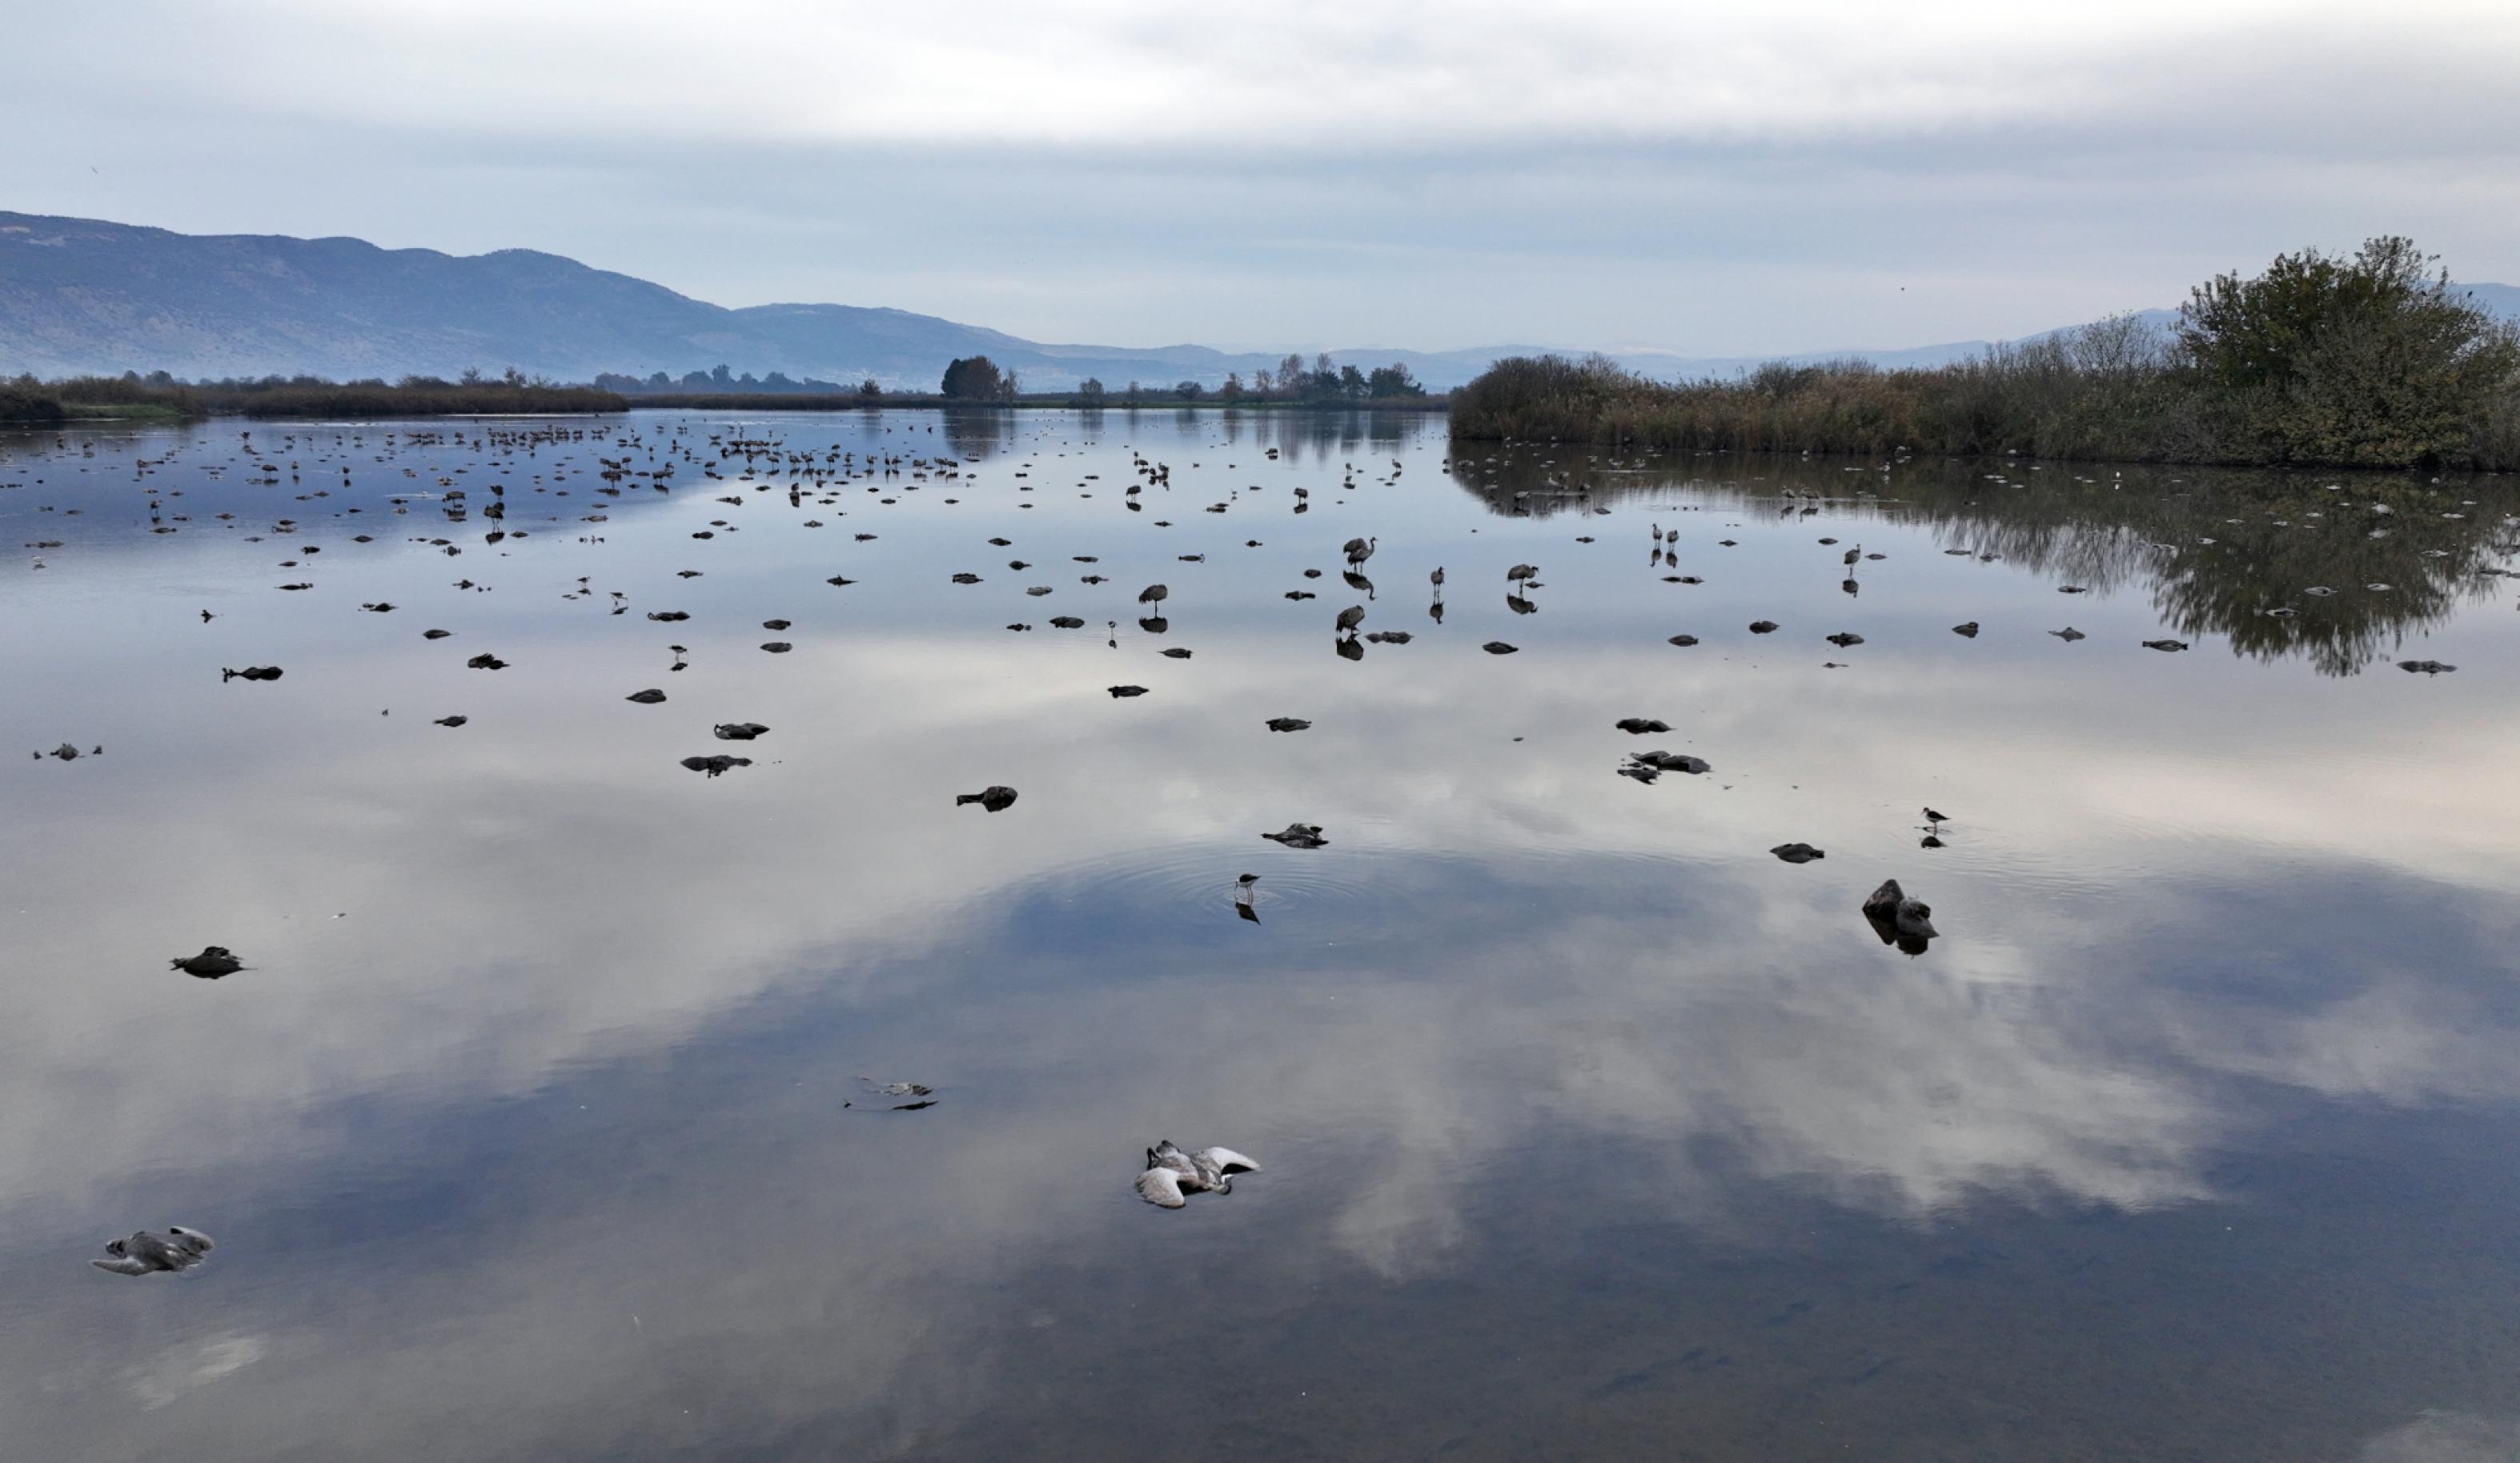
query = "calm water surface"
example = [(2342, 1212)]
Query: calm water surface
[(1590, 1130)]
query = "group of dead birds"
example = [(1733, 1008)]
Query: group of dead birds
[(1170, 1172)]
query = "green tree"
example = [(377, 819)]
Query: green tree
[(1188, 390), (870, 388), (1089, 391), (1231, 390), (974, 378), (1392, 381), (2372, 359)]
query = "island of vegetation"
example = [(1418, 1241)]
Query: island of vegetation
[(2368, 360), (969, 381)]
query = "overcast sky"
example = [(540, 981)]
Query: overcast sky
[(1714, 179)]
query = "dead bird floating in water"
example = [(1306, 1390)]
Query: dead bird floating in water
[(717, 765), (1288, 724), (737, 731), (1895, 915), (996, 799), (1172, 1174), (897, 1088), (1797, 853), (1299, 835), (147, 1253), (214, 961)]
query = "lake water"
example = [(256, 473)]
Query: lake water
[(535, 1128)]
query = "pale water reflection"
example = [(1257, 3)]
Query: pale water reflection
[(1590, 1127)]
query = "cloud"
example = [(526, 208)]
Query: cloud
[(188, 1367), (1709, 179)]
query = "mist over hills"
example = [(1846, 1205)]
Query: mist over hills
[(84, 297)]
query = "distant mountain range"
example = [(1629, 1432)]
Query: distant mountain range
[(79, 296)]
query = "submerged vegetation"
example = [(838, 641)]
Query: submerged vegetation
[(2370, 360)]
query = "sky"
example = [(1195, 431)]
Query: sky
[(1708, 179)]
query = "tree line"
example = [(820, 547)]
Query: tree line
[(979, 379), (161, 394), (720, 379)]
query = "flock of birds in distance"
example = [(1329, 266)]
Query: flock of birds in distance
[(625, 460)]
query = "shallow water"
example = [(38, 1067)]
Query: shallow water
[(534, 1127)]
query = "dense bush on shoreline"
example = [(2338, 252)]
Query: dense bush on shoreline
[(22, 403), (2363, 361)]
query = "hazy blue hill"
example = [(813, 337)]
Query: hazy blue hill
[(81, 296)]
